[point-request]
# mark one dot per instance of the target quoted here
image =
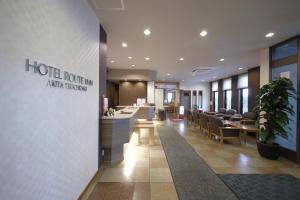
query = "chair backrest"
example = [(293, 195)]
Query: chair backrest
[(250, 115), (222, 110), (231, 112), (203, 120), (216, 124), (195, 115)]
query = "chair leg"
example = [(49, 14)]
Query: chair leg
[(221, 139)]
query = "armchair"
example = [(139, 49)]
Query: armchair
[(229, 113), (217, 128), (249, 118), (203, 120)]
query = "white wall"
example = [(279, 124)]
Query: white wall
[(159, 99), (49, 136), (150, 92), (204, 87), (264, 67)]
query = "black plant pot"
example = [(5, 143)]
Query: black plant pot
[(270, 151)]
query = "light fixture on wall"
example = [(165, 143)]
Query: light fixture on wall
[(181, 59), (147, 58), (124, 44), (129, 57), (112, 61), (240, 68), (132, 65), (222, 60)]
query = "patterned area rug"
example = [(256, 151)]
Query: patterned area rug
[(193, 178), (263, 186)]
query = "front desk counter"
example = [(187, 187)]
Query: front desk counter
[(115, 132), (144, 112)]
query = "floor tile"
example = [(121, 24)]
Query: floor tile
[(158, 163), (160, 175), (138, 174), (163, 191), (157, 153), (124, 191)]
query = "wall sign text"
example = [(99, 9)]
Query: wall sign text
[(58, 78)]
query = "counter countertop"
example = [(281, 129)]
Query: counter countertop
[(145, 106), (125, 113)]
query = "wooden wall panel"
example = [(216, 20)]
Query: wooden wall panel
[(102, 83), (235, 93), (221, 93), (112, 93), (129, 91), (253, 86)]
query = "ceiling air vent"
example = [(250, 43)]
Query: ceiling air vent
[(108, 4), (200, 70)]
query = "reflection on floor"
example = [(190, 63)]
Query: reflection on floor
[(145, 174)]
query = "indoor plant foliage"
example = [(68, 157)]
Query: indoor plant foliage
[(274, 110)]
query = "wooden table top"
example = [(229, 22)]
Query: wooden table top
[(246, 127)]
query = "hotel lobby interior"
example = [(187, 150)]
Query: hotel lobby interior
[(149, 100)]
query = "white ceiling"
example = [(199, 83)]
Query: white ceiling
[(236, 32)]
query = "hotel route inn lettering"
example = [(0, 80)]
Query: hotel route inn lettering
[(58, 78)]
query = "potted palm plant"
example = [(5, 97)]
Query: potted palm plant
[(274, 110)]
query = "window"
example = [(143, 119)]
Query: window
[(244, 100), (215, 96), (227, 98), (243, 86), (227, 93), (170, 97), (194, 100), (285, 50), (199, 99), (216, 101)]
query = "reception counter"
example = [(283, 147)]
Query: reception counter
[(116, 131), (144, 112)]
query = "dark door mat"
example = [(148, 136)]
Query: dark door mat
[(263, 186), (193, 178)]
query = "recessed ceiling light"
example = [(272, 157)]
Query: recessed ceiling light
[(181, 59), (112, 61), (269, 35), (132, 65), (182, 80), (240, 68), (168, 74), (147, 32), (147, 58), (124, 44), (203, 33), (222, 59), (129, 57)]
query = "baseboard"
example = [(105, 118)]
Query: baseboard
[(91, 184)]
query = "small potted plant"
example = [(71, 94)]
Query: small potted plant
[(274, 110)]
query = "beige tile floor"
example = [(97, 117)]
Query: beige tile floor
[(142, 164), (231, 157), (145, 174)]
